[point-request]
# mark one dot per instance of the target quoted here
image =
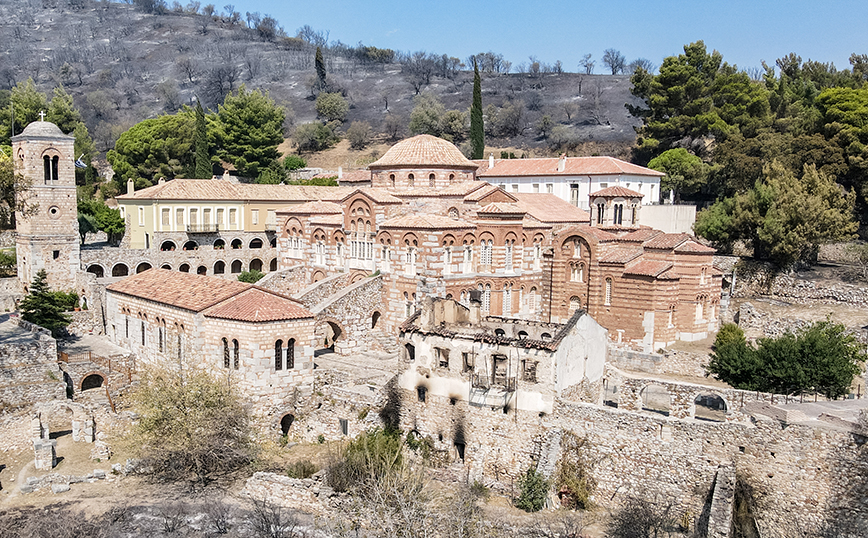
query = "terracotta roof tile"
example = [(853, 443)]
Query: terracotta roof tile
[(550, 208), (313, 208), (182, 290), (218, 189), (693, 246), (652, 268), (641, 235), (381, 196), (423, 150), (574, 166), (667, 241), (462, 188), (215, 297), (425, 221), (617, 191), (328, 220), (593, 232), (500, 208), (620, 254), (479, 194), (257, 305)]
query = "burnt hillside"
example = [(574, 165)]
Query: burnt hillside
[(123, 66)]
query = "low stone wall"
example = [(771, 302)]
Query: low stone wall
[(773, 327), (28, 367), (85, 322), (60, 483), (671, 362), (305, 494)]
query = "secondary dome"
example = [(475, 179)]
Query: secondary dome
[(43, 129), (423, 151)]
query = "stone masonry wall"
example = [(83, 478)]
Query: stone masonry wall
[(285, 281), (322, 290), (670, 362), (28, 367), (351, 309)]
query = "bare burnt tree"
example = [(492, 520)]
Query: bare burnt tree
[(418, 68), (187, 67), (270, 520), (252, 62)]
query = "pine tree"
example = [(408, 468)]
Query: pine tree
[(320, 70), (477, 134), (43, 307), (203, 160)]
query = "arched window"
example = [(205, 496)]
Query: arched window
[(236, 266), (46, 168), (702, 275), (411, 179), (278, 355), (160, 336), (453, 213), (486, 299), (255, 243), (236, 354), (575, 304), (600, 212), (608, 296), (431, 179), (392, 180), (184, 268), (219, 267), (451, 178), (507, 299), (619, 214), (531, 301), (290, 354), (55, 165), (219, 244), (225, 353)]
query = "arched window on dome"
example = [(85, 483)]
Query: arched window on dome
[(431, 180), (411, 180)]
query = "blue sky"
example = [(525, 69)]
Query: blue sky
[(745, 32)]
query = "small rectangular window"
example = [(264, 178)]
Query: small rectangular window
[(164, 216), (254, 216), (219, 220), (536, 187), (55, 254), (344, 426), (515, 188), (467, 361), (179, 217), (550, 188), (141, 216), (421, 393)]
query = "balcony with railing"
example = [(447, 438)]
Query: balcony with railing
[(202, 228)]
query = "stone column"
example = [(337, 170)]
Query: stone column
[(46, 458)]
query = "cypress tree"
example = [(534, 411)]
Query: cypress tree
[(477, 134), (320, 70), (203, 160)]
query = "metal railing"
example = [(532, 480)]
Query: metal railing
[(104, 362), (484, 381), (202, 228)]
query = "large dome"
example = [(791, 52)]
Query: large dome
[(423, 151), (43, 129)]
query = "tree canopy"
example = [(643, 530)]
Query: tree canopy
[(154, 148), (44, 307), (247, 130), (821, 357)]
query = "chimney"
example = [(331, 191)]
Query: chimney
[(475, 306), (161, 181), (340, 172), (562, 162), (490, 161), (131, 186)]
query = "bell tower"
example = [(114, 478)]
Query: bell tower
[(47, 227)]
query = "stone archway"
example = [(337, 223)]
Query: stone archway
[(93, 380), (709, 406), (286, 422), (83, 427), (327, 333)]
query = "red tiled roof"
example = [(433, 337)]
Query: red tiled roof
[(501, 208), (381, 196), (328, 220), (257, 305), (423, 150), (652, 268), (479, 194), (617, 191), (217, 297), (587, 230), (550, 208), (355, 176), (693, 246), (574, 166), (425, 221), (313, 208), (182, 290), (218, 189), (620, 254), (667, 241), (641, 235)]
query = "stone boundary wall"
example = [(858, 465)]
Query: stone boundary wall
[(305, 494), (807, 474), (774, 327), (670, 362), (285, 281), (322, 290), (754, 280), (29, 369)]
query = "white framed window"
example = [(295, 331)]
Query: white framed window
[(608, 293), (447, 260), (507, 300), (550, 188), (254, 216), (410, 262), (508, 255), (467, 262), (141, 216), (536, 187), (179, 217)]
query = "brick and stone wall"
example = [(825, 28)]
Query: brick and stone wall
[(351, 309)]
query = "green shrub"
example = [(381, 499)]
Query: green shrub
[(301, 469), (372, 456), (251, 277), (480, 490), (294, 162), (573, 476), (729, 333), (533, 489)]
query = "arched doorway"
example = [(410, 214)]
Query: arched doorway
[(201, 270), (184, 268), (120, 270), (272, 265), (375, 317), (710, 407), (286, 423), (92, 381), (142, 267), (219, 268), (96, 270), (256, 264), (327, 333), (656, 399)]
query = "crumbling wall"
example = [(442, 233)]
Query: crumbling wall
[(28, 366), (351, 308)]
